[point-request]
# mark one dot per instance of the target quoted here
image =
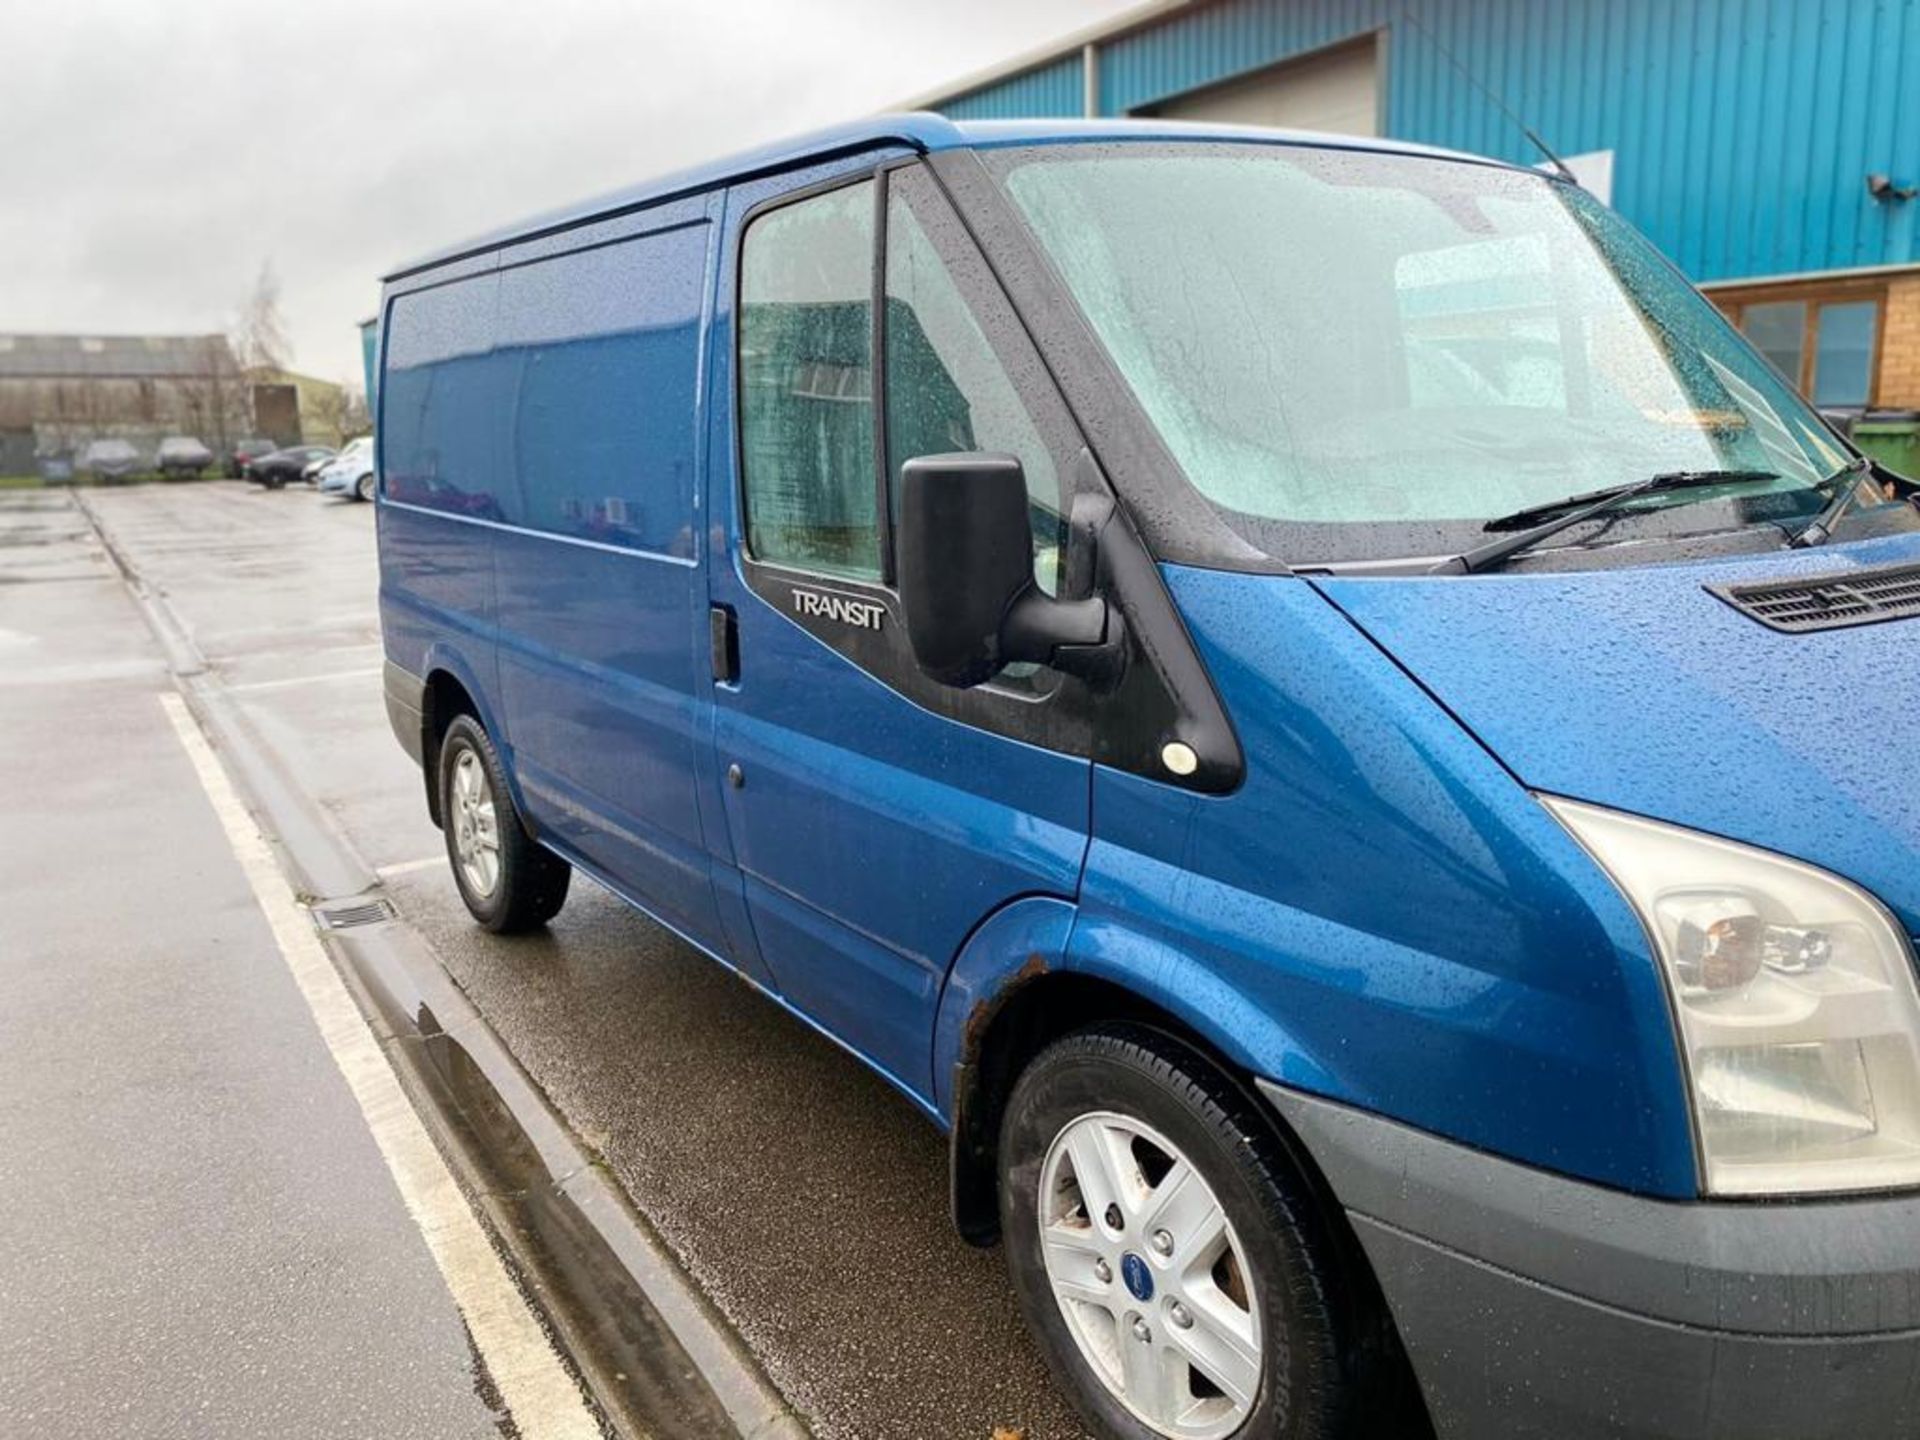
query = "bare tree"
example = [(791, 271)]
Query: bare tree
[(341, 411), (215, 400), (260, 330)]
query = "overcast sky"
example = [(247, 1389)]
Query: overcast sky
[(154, 153)]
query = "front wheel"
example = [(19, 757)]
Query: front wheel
[(363, 488), (1177, 1271), (508, 881)]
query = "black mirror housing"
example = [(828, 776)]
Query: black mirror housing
[(966, 575)]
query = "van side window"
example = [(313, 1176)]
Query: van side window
[(947, 391), (443, 400), (806, 385)]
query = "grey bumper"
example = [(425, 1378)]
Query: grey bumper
[(1534, 1305)]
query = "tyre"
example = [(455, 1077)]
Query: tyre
[(363, 488), (1180, 1276), (509, 882)]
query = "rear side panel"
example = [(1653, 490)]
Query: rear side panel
[(541, 458), (435, 455), (596, 570)]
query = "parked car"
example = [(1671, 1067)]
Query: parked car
[(1397, 899), (350, 472), (56, 466), (245, 452), (281, 466), (182, 455), (110, 460)]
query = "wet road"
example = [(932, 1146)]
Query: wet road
[(803, 1194), (200, 1237)]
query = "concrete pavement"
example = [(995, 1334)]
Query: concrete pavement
[(201, 1236)]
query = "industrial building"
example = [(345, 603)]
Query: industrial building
[(1771, 147), (59, 392)]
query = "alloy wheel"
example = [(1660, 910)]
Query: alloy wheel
[(476, 826), (1150, 1277)]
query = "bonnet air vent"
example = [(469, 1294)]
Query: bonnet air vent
[(1830, 602)]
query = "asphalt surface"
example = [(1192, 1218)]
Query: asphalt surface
[(200, 1237), (800, 1191)]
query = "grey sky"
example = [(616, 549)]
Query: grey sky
[(153, 155)]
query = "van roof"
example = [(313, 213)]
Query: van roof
[(917, 130)]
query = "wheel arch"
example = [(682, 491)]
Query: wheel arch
[(1015, 1008), (450, 691), (1027, 977)]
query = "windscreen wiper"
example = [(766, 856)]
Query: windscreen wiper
[(1819, 530), (1537, 522)]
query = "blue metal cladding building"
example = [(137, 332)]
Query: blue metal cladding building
[(370, 361), (1740, 135)]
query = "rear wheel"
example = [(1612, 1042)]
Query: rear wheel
[(1173, 1265), (508, 881)]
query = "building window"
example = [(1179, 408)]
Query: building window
[(1823, 339), (1843, 352), (1778, 331)]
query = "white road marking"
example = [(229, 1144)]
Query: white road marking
[(543, 1400), (409, 867), (288, 681)]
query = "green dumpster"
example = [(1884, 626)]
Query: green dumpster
[(1892, 437)]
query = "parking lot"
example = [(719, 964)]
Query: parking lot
[(798, 1191)]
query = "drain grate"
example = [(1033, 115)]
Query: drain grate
[(351, 914)]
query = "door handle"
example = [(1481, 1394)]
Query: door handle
[(723, 643)]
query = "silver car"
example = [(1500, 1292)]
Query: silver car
[(109, 460), (350, 472)]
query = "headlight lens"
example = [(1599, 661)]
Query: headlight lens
[(1797, 1007)]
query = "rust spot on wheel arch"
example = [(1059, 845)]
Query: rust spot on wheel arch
[(987, 1006)]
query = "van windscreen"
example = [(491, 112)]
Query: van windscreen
[(1358, 355)]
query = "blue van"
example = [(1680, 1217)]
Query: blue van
[(1310, 702)]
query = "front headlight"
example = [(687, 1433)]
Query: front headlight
[(1797, 1007)]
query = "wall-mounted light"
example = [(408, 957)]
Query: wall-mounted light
[(1882, 188)]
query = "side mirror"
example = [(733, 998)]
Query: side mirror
[(966, 576)]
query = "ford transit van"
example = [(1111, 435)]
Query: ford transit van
[(1309, 702)]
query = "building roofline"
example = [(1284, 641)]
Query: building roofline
[(280, 375), (94, 355), (77, 335), (1796, 277), (1136, 17)]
